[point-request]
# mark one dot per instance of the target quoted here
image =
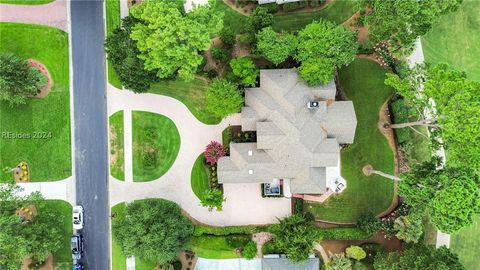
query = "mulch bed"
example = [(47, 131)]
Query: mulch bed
[(43, 69)]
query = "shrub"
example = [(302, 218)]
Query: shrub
[(213, 199), (149, 159), (237, 240), (368, 223), (293, 6), (298, 206), (213, 152), (250, 250), (220, 54), (245, 71), (356, 253), (342, 234), (247, 38), (223, 98), (371, 249), (227, 36), (222, 231), (400, 115), (271, 7)]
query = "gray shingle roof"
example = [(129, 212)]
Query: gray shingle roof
[(293, 142), (285, 264)]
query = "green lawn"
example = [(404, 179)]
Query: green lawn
[(466, 244), (232, 19), (363, 83), (338, 11), (116, 146), (144, 265), (49, 157), (119, 260), (155, 134), (211, 247), (63, 258), (456, 40), (26, 2), (200, 181), (113, 21), (192, 94)]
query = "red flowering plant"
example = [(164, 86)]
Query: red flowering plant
[(213, 152)]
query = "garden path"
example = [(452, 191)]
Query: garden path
[(53, 14), (175, 185)]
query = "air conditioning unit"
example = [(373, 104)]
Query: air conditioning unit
[(312, 105)]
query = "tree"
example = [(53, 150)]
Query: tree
[(418, 256), (152, 229), (227, 36), (322, 47), (245, 70), (453, 108), (213, 199), (18, 81), (170, 40), (260, 18), (339, 262), (409, 228), (213, 152), (402, 22), (369, 223), (295, 236), (355, 252), (223, 98), (450, 194), (250, 250), (123, 54), (276, 47), (36, 237)]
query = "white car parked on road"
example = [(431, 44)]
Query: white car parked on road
[(78, 217)]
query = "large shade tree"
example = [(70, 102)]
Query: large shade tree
[(170, 40), (322, 47), (418, 256), (403, 21), (453, 108), (152, 229), (18, 81), (37, 236)]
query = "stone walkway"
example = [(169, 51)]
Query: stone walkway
[(53, 14), (175, 185)]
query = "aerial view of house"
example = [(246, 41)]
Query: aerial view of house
[(239, 134)]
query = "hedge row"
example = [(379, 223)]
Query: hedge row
[(210, 230), (343, 234)]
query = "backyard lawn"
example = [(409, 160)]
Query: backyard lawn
[(466, 244), (144, 265), (119, 260), (338, 11), (48, 155), (156, 143), (200, 181), (63, 258), (212, 247), (116, 146), (26, 2), (232, 19), (112, 8), (362, 82), (456, 40), (192, 94)]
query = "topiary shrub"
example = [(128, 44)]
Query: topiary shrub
[(237, 240), (250, 250)]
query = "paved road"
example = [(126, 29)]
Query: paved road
[(90, 114)]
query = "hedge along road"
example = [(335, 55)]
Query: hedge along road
[(90, 115)]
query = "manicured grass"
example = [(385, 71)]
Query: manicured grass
[(429, 232), (199, 178), (116, 146), (118, 258), (26, 2), (211, 247), (338, 11), (362, 82), (232, 19), (456, 40), (49, 158), (144, 265), (156, 134), (63, 258), (192, 94), (113, 21), (466, 244)]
